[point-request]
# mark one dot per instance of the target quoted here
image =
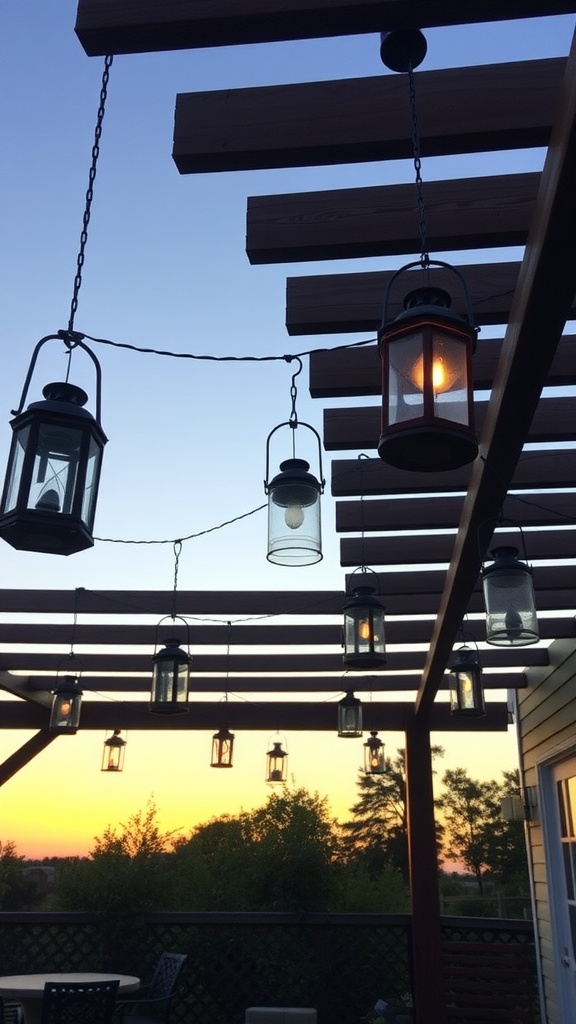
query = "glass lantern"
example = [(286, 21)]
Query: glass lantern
[(427, 388), (170, 679), (466, 693), (349, 716), (364, 639), (509, 599), (65, 710), (222, 749), (276, 763), (113, 754), (374, 760), (294, 532)]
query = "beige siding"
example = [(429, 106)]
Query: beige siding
[(546, 726)]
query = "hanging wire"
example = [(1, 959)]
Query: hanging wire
[(88, 206), (362, 553), (424, 254)]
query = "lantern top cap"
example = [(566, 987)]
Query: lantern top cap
[(428, 296), (506, 557), (299, 465), (115, 740), (466, 656), (68, 684), (61, 391)]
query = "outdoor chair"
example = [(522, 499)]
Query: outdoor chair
[(11, 1012), (79, 1002), (153, 1001)]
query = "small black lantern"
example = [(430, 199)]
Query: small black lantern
[(49, 498), (466, 693), (364, 637), (276, 762), (349, 716), (374, 760), (66, 704), (427, 388), (113, 754), (170, 679), (511, 619), (222, 748)]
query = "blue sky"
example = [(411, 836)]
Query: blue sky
[(166, 268)]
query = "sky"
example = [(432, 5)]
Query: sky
[(166, 268)]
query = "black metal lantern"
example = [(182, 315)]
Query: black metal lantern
[(364, 638), (427, 406), (374, 760), (276, 762), (170, 679), (466, 693), (509, 599), (222, 749), (66, 704), (51, 485), (113, 754), (349, 716)]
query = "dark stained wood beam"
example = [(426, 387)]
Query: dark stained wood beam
[(157, 602), (20, 686), (341, 303), (467, 213), (358, 429), (536, 469), (298, 715), (126, 26), (542, 304), (426, 549), (26, 753), (460, 110), (357, 372)]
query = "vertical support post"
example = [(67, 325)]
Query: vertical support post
[(428, 970)]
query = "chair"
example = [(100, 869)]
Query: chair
[(152, 1004), (79, 1002)]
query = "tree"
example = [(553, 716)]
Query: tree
[(378, 830), (17, 891), (476, 835)]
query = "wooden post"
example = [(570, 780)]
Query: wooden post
[(428, 972)]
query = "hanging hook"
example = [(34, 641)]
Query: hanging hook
[(293, 418), (177, 549)]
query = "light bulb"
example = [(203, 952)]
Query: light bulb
[(364, 631), (294, 516), (443, 375)]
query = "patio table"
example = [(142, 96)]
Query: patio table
[(29, 988)]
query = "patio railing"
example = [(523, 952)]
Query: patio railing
[(339, 963)]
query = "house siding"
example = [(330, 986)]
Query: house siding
[(546, 717)]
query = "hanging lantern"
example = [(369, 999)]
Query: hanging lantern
[(65, 710), (364, 639), (349, 716), (276, 763), (509, 598), (170, 679), (374, 761), (466, 693), (428, 407), (49, 498), (222, 748), (113, 754)]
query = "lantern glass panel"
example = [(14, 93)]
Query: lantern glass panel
[(405, 378), (55, 468), (91, 483), (374, 756), (511, 619), (276, 763), (294, 526), (170, 684), (113, 756), (364, 634), (448, 374), (15, 468), (222, 748), (65, 711), (466, 693), (350, 717)]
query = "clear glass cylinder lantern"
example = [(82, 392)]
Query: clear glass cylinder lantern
[(374, 759), (294, 532), (511, 619), (276, 763), (427, 387), (364, 636), (66, 704), (466, 692), (349, 716), (222, 749), (170, 679), (113, 753)]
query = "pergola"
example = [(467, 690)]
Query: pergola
[(491, 108)]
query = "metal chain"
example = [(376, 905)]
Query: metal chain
[(90, 191), (424, 254)]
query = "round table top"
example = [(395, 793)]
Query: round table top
[(26, 986)]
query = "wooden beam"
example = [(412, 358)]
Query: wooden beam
[(543, 302), (426, 549), (35, 745), (536, 469), (341, 303), (123, 26), (156, 602), (298, 715), (357, 372), (358, 429), (469, 213), (460, 110)]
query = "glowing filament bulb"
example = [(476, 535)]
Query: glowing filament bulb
[(364, 630)]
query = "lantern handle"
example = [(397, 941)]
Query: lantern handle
[(72, 340), (293, 425), (173, 619), (499, 520), (437, 263)]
